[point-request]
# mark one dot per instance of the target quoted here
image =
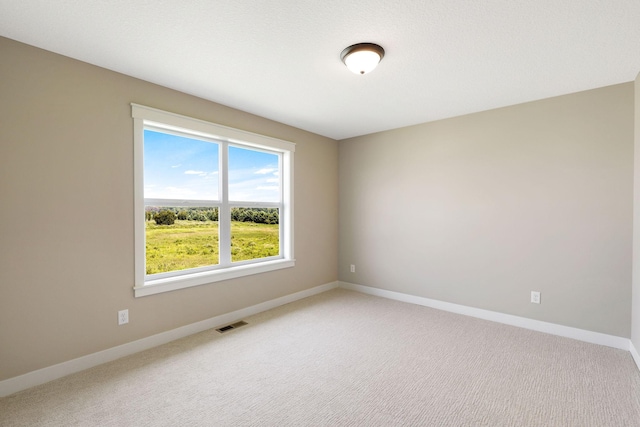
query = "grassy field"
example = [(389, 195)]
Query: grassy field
[(190, 244)]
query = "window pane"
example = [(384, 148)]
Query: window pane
[(179, 168), (254, 176), (190, 241), (255, 233)]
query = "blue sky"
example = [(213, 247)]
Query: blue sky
[(187, 169)]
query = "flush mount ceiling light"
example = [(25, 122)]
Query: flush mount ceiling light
[(362, 58)]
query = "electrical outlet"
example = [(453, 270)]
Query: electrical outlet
[(123, 317), (535, 297), (353, 268)]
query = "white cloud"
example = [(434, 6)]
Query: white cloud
[(180, 193), (265, 171), (273, 180), (192, 172), (175, 166), (268, 187)]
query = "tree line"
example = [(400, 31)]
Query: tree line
[(168, 215)]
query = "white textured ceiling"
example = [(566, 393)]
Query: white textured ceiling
[(280, 58)]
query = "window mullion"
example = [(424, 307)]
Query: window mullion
[(224, 217)]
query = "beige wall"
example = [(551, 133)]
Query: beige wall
[(477, 210), (66, 223), (635, 324), (480, 210)]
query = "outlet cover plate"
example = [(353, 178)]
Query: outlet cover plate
[(123, 317), (535, 297)]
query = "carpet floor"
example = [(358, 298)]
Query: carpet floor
[(342, 358)]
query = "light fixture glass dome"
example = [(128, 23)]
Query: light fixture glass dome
[(362, 58)]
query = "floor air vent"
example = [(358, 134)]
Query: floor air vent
[(227, 328)]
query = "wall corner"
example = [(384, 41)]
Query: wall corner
[(635, 308)]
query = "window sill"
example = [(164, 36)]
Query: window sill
[(168, 284)]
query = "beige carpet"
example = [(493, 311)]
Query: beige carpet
[(346, 359)]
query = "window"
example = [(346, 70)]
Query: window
[(211, 202)]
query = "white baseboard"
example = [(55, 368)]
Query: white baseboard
[(508, 319), (50, 373), (634, 354)]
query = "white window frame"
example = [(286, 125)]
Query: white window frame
[(144, 284)]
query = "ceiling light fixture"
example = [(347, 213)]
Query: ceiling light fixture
[(362, 58)]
